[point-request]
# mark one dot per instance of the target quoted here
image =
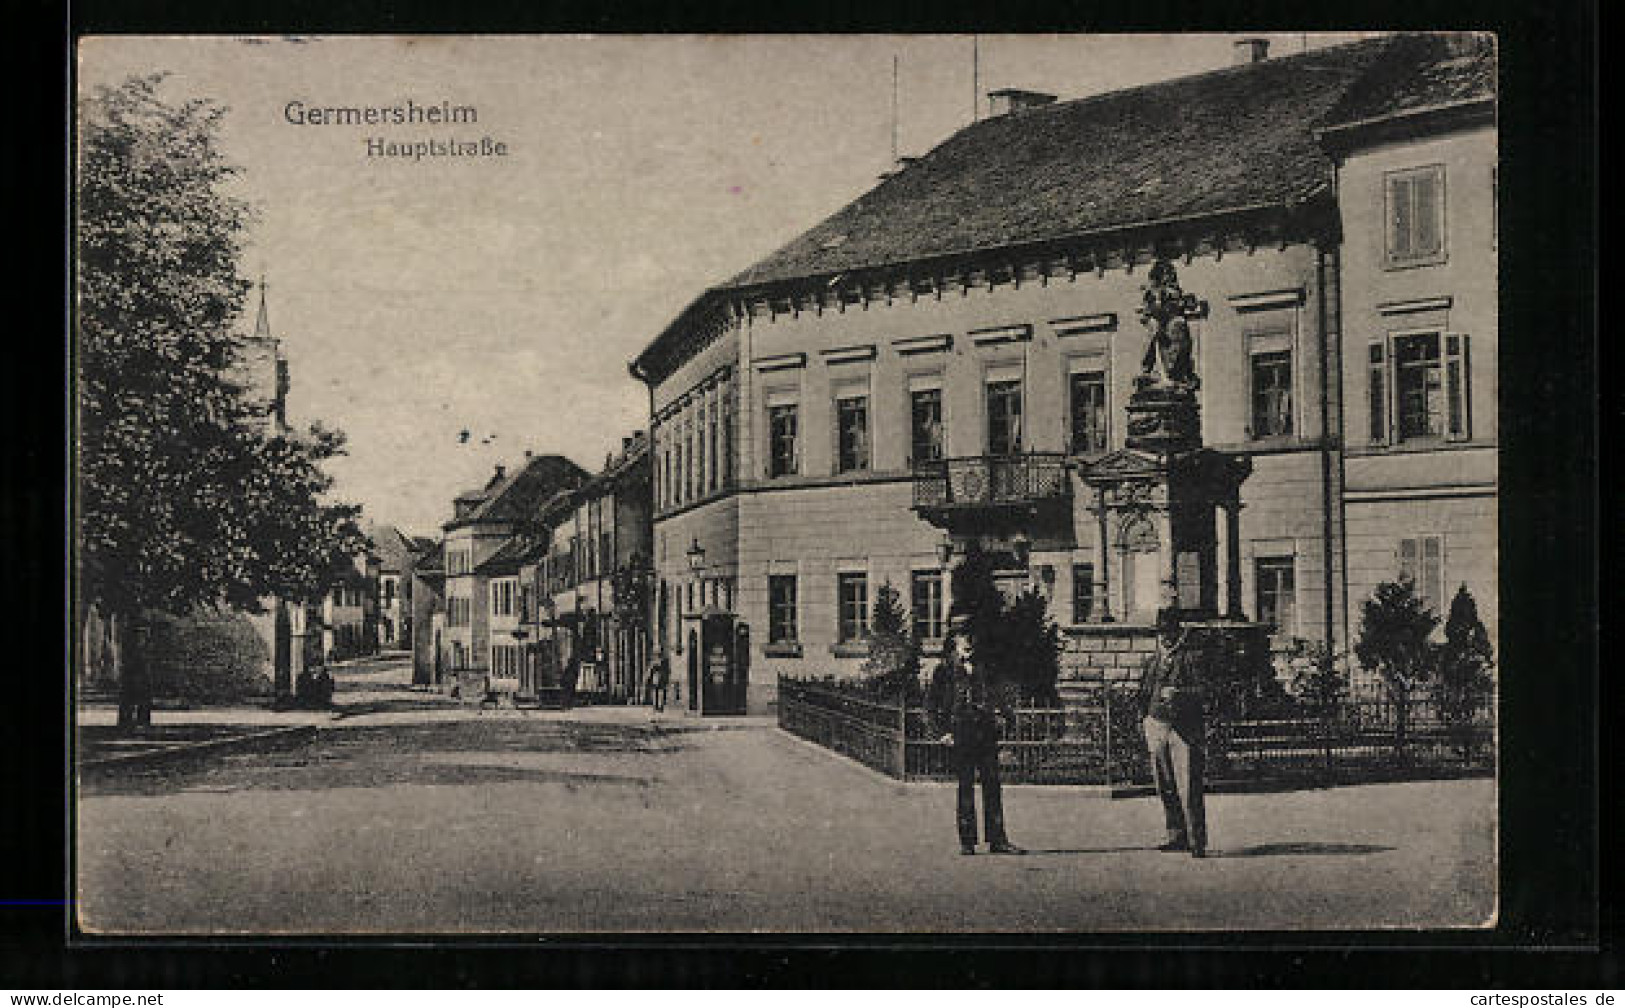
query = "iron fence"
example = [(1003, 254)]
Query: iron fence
[(1095, 738)]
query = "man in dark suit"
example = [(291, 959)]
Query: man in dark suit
[(659, 676), (967, 708), (1171, 700)]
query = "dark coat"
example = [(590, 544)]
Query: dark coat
[(965, 701), (1171, 688)]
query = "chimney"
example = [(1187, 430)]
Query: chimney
[(626, 445), (1006, 100), (500, 472), (1251, 50), (897, 168), (527, 453)]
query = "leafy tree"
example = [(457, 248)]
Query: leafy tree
[(1394, 628), (893, 665), (185, 499), (1463, 677)]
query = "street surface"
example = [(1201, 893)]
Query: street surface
[(410, 814)]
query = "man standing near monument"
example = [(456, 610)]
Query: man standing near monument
[(966, 707), (1171, 699)]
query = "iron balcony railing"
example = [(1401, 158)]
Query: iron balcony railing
[(990, 480)]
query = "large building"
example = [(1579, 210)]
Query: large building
[(962, 340)]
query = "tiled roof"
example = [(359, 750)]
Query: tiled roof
[(1421, 72), (394, 550), (507, 558), (432, 560), (515, 496), (1223, 140)]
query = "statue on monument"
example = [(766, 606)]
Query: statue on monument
[(1169, 351)]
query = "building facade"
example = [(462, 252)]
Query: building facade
[(965, 337), (485, 521), (1416, 183), (581, 589)]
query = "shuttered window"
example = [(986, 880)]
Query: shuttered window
[(1421, 562), (1415, 199)]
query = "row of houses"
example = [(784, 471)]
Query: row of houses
[(948, 359), (539, 572)]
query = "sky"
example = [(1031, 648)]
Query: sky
[(503, 296)]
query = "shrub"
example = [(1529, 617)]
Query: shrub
[(893, 665), (1030, 649), (208, 658), (1017, 641), (1394, 630), (1462, 678)]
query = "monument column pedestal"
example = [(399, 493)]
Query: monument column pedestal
[(1165, 485)]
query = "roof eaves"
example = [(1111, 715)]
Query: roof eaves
[(1474, 103)]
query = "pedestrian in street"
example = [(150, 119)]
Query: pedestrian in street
[(572, 673), (659, 676), (967, 707), (1171, 700)]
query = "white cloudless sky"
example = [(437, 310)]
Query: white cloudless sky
[(505, 296)]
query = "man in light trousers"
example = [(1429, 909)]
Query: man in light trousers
[(1175, 732)]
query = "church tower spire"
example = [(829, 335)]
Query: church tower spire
[(262, 325)]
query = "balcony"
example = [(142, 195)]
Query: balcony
[(1016, 482)]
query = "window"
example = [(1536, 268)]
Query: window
[(677, 488), (853, 618), (1088, 412), (527, 602), (459, 561), (1415, 215), (925, 596), (389, 591), (699, 454), (852, 433), (925, 425), (502, 597), (1083, 592), (1276, 599), (458, 611), (726, 458), (782, 454), (781, 609), (1004, 418), (1271, 375), (690, 462), (1421, 562), (1418, 387)]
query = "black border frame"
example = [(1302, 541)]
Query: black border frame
[(1549, 555)]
